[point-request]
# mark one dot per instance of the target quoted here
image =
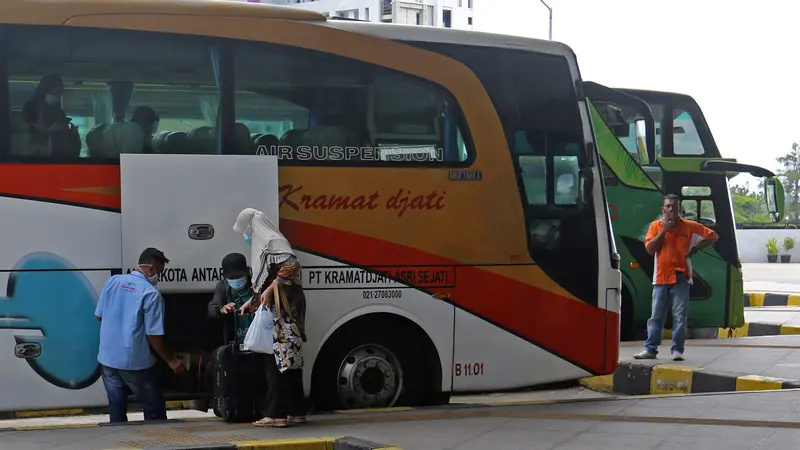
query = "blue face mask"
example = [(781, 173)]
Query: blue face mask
[(248, 240), (238, 283)]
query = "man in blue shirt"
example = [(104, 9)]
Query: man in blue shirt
[(131, 315)]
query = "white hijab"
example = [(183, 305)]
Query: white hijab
[(269, 246)]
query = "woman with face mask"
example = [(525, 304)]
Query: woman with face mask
[(230, 294), (52, 133), (277, 270)]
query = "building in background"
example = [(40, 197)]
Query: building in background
[(433, 13)]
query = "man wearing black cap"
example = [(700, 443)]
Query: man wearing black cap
[(230, 294)]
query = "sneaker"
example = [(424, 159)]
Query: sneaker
[(677, 356), (644, 354)]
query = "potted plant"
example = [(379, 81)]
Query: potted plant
[(772, 250), (788, 244)]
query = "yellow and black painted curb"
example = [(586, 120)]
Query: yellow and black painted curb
[(759, 299), (321, 443), (749, 329), (641, 378)]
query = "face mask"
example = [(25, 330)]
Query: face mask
[(238, 283), (153, 279), (248, 240), (52, 99)]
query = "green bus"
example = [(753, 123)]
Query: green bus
[(641, 163)]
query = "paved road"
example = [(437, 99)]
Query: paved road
[(778, 278), (752, 420)]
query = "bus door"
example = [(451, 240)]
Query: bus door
[(186, 206)]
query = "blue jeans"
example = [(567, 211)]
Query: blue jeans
[(145, 386), (663, 295)]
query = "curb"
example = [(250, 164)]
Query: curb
[(633, 378), (326, 443), (752, 329), (749, 329), (759, 299)]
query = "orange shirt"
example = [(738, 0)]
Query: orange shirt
[(671, 258)]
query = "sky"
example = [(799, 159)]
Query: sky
[(738, 59)]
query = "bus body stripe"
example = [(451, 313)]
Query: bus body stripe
[(545, 319)]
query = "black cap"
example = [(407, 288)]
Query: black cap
[(234, 264)]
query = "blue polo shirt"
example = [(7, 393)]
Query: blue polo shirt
[(130, 309)]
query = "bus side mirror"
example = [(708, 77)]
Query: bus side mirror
[(774, 195)]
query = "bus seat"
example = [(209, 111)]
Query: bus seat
[(254, 137), (243, 145), (177, 143), (199, 139), (94, 140), (158, 141), (268, 141), (122, 137), (293, 138)]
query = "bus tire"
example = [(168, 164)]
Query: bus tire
[(377, 360)]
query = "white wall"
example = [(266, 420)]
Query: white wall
[(334, 7), (752, 244), (460, 15)]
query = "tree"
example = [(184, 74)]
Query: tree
[(748, 206), (789, 175)]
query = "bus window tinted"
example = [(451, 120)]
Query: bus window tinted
[(310, 107), (84, 94)]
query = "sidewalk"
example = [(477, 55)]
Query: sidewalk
[(711, 365), (776, 278)]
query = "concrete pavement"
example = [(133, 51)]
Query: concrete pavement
[(778, 278), (757, 420)]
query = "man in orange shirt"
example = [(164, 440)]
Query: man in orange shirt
[(673, 240)]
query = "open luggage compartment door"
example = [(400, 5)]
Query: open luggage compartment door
[(186, 205)]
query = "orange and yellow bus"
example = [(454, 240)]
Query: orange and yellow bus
[(447, 206)]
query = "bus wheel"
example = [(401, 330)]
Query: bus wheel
[(370, 363), (370, 375)]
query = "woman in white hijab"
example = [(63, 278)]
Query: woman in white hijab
[(269, 247), (274, 262)]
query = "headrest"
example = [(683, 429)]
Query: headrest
[(177, 143), (200, 139), (241, 138), (158, 141)]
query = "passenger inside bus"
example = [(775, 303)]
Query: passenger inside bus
[(50, 130), (147, 119)]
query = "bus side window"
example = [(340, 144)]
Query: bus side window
[(350, 113), (685, 137), (91, 94)]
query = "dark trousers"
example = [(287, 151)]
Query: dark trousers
[(285, 391), (145, 386)]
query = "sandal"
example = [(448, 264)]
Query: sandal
[(268, 422), (298, 420)]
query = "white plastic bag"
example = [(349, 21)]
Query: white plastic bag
[(259, 336)]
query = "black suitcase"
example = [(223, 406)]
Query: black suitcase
[(239, 382)]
